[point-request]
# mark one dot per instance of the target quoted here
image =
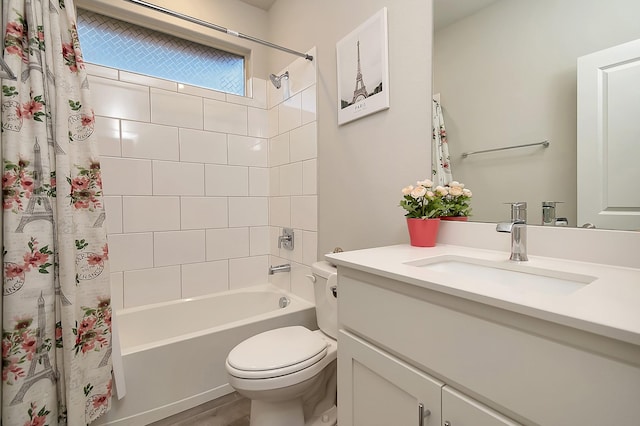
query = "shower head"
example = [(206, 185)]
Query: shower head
[(276, 79)]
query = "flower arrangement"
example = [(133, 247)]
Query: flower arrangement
[(457, 200), (424, 201)]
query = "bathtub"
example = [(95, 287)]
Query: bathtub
[(173, 353)]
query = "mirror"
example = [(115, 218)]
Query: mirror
[(506, 71)]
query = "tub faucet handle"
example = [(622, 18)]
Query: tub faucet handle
[(286, 239)]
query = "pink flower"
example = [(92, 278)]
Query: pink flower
[(80, 183), (107, 317), (87, 120), (86, 324), (94, 259), (6, 347), (88, 346), (67, 50), (30, 108), (8, 179), (11, 366), (27, 183), (28, 345), (53, 182), (105, 251), (36, 421), (13, 270), (80, 204), (14, 28), (58, 332), (14, 50), (35, 259), (100, 400)]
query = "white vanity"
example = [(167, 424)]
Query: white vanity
[(458, 336)]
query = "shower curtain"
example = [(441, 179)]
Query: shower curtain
[(56, 337), (441, 166)]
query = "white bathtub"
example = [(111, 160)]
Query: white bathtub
[(173, 353)]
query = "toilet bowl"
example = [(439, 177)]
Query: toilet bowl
[(289, 372)]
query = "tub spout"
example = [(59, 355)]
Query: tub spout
[(279, 268)]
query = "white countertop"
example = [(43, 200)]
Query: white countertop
[(608, 306)]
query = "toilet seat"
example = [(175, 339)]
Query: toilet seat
[(276, 353)]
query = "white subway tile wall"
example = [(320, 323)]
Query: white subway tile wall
[(198, 184)]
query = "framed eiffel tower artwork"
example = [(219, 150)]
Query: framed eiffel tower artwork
[(363, 69)]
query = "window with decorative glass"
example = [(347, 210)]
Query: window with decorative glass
[(118, 44)]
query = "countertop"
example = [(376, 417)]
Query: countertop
[(607, 306)]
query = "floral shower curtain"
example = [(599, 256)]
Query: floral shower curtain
[(56, 332), (441, 165)]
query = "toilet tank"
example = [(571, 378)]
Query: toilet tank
[(325, 284)]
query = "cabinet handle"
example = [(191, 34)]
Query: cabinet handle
[(447, 423), (422, 414)]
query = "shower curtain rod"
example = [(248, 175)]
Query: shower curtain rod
[(218, 28)]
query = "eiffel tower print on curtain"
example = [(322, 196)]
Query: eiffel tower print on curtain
[(39, 207), (41, 357)]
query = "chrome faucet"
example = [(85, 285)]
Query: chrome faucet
[(279, 268), (549, 214), (518, 230)]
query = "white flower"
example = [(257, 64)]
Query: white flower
[(427, 183), (467, 192), (430, 194), (456, 191), (418, 192), (441, 190), (456, 184), (407, 190)]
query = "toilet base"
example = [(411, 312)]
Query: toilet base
[(266, 413)]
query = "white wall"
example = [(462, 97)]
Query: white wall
[(363, 165), (507, 76), (186, 184), (198, 184), (293, 159)]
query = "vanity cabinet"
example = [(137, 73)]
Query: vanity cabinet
[(376, 388), (471, 364), (460, 410)]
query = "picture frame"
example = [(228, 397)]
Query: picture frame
[(363, 69)]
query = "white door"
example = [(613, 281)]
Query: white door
[(609, 137), (377, 389)]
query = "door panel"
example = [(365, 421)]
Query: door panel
[(609, 137)]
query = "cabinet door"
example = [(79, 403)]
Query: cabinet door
[(460, 410), (377, 389)]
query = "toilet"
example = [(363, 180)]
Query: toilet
[(289, 373)]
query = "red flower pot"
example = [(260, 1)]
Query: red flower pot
[(456, 218), (423, 232)]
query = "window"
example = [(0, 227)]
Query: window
[(119, 44)]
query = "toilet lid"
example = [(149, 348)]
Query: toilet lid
[(277, 352)]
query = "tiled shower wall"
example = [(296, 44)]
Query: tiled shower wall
[(188, 185)]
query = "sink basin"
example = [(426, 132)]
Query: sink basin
[(516, 276)]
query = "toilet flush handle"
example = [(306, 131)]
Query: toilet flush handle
[(312, 278)]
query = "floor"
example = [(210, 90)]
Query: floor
[(229, 410)]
